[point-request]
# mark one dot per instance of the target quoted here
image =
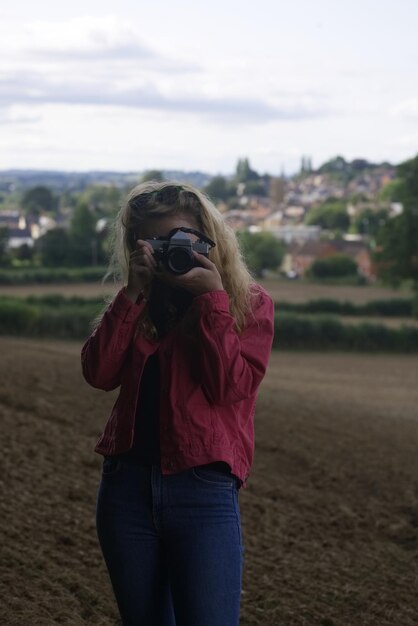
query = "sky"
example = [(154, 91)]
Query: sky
[(196, 85)]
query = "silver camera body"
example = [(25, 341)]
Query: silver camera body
[(175, 251)]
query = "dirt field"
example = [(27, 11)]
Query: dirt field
[(330, 515), (392, 322), (280, 290), (297, 291)]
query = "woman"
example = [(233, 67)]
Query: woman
[(188, 346)]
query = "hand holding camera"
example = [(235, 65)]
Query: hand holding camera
[(202, 278), (183, 263), (142, 266), (176, 260)]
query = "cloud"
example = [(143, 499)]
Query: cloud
[(114, 51), (32, 88), (90, 39), (406, 109), (83, 36), (9, 117), (106, 63)]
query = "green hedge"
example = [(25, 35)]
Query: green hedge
[(334, 266), (56, 317), (322, 332), (57, 300), (16, 316), (395, 307), (51, 275), (357, 280), (31, 318), (65, 323)]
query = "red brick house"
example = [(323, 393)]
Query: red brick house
[(300, 256)]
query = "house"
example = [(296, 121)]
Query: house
[(18, 232), (11, 219), (300, 233), (19, 236), (238, 219), (274, 220), (22, 229), (300, 256)]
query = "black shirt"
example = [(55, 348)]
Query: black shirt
[(146, 443)]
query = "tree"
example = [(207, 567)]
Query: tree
[(255, 188), (393, 191), (83, 236), (333, 266), (361, 164), (334, 166), (331, 215), (369, 221), (219, 189), (261, 251), (4, 240), (23, 252), (38, 199), (53, 248), (306, 165), (102, 199), (408, 173), (396, 252), (152, 175), (244, 173), (67, 199)]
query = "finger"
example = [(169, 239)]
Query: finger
[(203, 260), (195, 272), (148, 249), (145, 245), (144, 266), (140, 265), (144, 255), (142, 262), (185, 280), (141, 251)]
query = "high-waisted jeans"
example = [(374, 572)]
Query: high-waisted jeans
[(172, 544)]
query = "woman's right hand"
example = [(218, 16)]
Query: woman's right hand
[(142, 266)]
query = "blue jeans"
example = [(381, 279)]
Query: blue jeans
[(172, 544)]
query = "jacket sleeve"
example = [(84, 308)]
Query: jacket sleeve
[(104, 352), (233, 365)]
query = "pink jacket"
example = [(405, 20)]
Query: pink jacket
[(208, 393)]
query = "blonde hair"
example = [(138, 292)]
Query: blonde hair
[(155, 199)]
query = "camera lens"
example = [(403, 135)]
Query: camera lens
[(180, 260)]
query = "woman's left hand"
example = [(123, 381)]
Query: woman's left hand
[(198, 280)]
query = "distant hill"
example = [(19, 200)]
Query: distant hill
[(17, 180), (347, 170), (12, 180)]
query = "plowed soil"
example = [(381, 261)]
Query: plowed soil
[(279, 289), (330, 515)]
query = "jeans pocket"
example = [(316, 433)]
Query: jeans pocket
[(111, 465), (213, 477)]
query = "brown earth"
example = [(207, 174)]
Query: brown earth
[(391, 322), (301, 291), (330, 515), (280, 290)]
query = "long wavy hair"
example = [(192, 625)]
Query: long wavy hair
[(153, 199)]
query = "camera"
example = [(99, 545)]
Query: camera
[(175, 251)]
